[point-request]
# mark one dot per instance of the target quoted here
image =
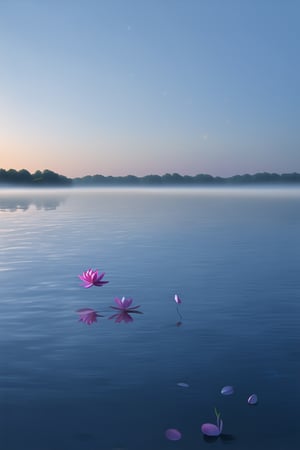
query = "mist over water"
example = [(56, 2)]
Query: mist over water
[(233, 257)]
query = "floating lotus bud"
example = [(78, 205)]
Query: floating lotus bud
[(227, 390), (253, 400), (177, 299), (172, 434)]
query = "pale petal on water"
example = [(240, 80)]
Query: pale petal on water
[(182, 384), (253, 399), (172, 434), (210, 429), (227, 390)]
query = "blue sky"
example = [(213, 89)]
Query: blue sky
[(150, 86)]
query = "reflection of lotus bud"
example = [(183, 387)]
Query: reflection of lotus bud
[(252, 400)]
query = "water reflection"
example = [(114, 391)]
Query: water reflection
[(13, 203), (223, 437), (72, 376), (124, 316), (88, 315)]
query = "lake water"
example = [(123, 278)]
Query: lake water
[(232, 255)]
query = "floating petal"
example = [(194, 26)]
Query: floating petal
[(185, 385), (227, 390), (173, 435), (253, 400), (210, 429)]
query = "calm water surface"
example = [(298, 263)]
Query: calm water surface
[(234, 258)]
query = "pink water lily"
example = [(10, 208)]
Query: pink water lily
[(91, 278), (210, 429), (88, 315), (124, 304)]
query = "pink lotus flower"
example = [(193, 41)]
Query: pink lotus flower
[(124, 304), (88, 315), (210, 429), (91, 278)]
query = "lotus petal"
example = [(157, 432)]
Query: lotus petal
[(124, 304), (210, 429), (185, 385), (172, 434), (227, 390), (253, 400)]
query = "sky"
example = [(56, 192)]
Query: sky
[(118, 87)]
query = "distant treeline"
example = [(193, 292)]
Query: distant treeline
[(49, 178), (24, 178), (176, 179)]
